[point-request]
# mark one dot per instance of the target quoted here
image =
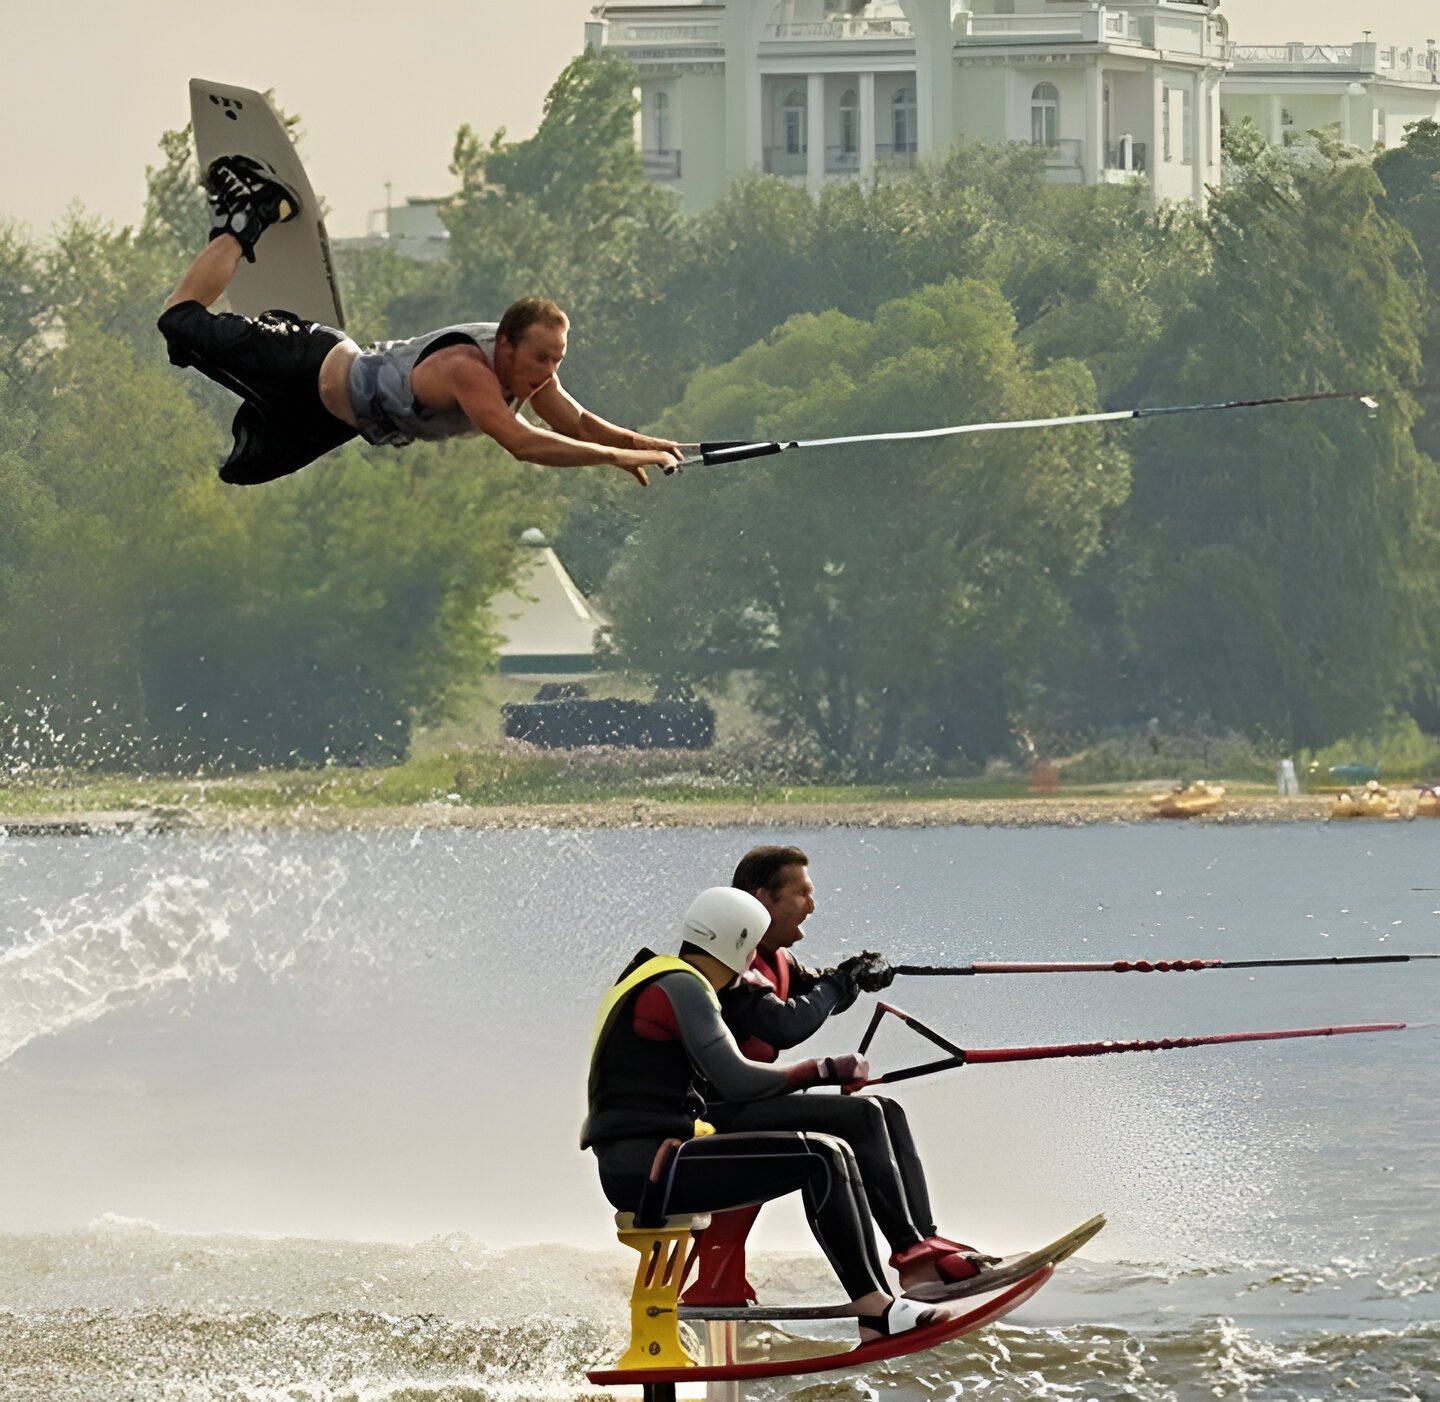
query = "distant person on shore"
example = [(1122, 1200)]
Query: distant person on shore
[(308, 388), (776, 1004)]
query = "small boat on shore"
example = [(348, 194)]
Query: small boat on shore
[(1428, 803), (1373, 801), (1188, 800)]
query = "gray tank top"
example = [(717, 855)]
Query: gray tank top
[(386, 410)]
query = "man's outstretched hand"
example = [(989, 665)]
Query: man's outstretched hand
[(869, 972), (652, 452)]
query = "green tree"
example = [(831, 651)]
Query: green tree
[(1277, 564), (895, 602)]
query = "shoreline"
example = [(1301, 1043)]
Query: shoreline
[(1056, 811)]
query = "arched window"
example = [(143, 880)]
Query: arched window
[(1045, 115), (792, 112), (902, 119), (849, 122), (661, 109)]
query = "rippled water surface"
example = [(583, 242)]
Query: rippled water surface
[(294, 1116)]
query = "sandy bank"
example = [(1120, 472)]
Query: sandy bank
[(1058, 811)]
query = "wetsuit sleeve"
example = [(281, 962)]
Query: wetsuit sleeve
[(713, 1053), (751, 1011)]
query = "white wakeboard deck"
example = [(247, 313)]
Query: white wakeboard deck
[(292, 268)]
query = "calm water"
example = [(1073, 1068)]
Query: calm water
[(294, 1116)]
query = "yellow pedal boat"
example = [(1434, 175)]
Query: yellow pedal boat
[(1188, 801), (1373, 801)]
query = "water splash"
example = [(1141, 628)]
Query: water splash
[(182, 933)]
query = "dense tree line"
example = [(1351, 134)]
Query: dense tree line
[(901, 606)]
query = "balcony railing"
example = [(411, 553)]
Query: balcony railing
[(1122, 28), (662, 165), (780, 161), (1321, 56), (1114, 27), (1027, 26), (1065, 154), (652, 33), (857, 28), (838, 161), (890, 155)]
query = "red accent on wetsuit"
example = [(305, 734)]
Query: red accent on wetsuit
[(777, 975), (655, 1016)]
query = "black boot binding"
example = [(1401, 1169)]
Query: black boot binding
[(246, 199)]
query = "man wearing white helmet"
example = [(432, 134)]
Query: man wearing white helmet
[(659, 1037), (777, 1004)]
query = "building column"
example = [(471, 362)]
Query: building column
[(867, 127), (934, 75), (1275, 121), (1199, 137), (1155, 153), (1093, 156), (743, 114), (815, 132), (1217, 153)]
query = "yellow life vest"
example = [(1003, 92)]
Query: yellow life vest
[(610, 1003)]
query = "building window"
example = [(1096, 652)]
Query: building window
[(849, 123), (1187, 128), (1045, 115), (793, 115), (661, 108), (902, 119), (1169, 93)]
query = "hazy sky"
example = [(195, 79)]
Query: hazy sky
[(87, 86)]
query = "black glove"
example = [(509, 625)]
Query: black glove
[(869, 972)]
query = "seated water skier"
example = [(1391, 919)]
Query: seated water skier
[(659, 1038), (776, 1004), (309, 388)]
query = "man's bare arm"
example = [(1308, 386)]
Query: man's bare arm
[(567, 415), (477, 393)]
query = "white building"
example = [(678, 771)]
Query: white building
[(1368, 93), (822, 90), (412, 229), (818, 90)]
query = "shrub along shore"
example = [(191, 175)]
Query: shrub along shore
[(491, 791)]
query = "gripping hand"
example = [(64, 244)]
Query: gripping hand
[(869, 972)]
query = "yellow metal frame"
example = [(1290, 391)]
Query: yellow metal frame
[(666, 1254)]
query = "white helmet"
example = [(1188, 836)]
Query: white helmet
[(728, 923)]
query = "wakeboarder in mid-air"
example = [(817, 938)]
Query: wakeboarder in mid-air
[(308, 388)]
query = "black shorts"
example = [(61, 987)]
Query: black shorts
[(273, 363)]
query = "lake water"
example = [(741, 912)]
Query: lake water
[(294, 1116)]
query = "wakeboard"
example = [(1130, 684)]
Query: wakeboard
[(897, 1346), (292, 268), (1012, 1268)]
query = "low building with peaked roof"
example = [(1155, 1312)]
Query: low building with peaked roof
[(547, 626)]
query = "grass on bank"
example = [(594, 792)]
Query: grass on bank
[(492, 778), (466, 762)]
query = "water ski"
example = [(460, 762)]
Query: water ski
[(1013, 1268), (657, 1359), (293, 268), (915, 1341)]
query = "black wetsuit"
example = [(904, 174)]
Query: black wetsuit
[(875, 1128), (273, 363), (664, 1040)]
